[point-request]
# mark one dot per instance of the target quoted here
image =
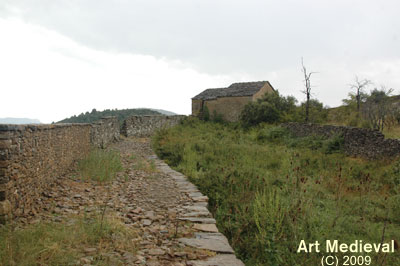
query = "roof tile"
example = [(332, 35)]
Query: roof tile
[(234, 90)]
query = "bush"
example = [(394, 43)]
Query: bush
[(205, 114), (217, 118), (333, 144), (317, 112), (272, 108)]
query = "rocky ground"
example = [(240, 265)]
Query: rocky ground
[(168, 213)]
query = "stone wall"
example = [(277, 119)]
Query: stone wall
[(358, 142), (144, 126), (33, 156), (105, 131)]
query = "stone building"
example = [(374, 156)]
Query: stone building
[(229, 102)]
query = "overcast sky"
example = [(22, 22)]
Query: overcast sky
[(64, 57)]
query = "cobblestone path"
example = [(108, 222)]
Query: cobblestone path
[(168, 213)]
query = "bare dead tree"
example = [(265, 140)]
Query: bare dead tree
[(359, 86), (307, 91)]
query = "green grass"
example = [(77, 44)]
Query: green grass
[(48, 243), (100, 165), (268, 191)]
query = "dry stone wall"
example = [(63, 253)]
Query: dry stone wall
[(144, 126), (105, 131), (32, 156), (357, 141)]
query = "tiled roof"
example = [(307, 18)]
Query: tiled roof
[(234, 90)]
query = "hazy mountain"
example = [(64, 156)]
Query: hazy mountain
[(164, 112), (13, 120)]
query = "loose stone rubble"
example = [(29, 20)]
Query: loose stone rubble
[(169, 214)]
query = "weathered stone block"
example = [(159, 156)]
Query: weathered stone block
[(4, 135), (4, 155), (5, 207), (5, 143), (3, 192), (4, 219), (3, 195), (2, 173)]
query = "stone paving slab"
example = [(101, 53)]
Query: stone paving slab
[(212, 241), (219, 260), (196, 208), (211, 228), (198, 220), (197, 214)]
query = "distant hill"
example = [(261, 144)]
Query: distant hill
[(95, 115), (164, 112), (19, 121)]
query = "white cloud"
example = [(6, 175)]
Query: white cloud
[(48, 76), (61, 58)]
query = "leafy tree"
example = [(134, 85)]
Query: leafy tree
[(271, 108), (352, 100), (317, 113), (378, 108)]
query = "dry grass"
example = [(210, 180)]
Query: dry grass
[(50, 243), (392, 133), (142, 164), (100, 165)]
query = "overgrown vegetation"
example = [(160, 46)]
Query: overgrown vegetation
[(50, 243), (269, 190), (100, 165), (95, 115), (375, 110), (271, 108), (274, 108)]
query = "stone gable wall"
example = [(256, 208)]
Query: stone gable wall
[(229, 107), (32, 156), (358, 142), (144, 126)]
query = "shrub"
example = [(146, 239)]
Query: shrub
[(205, 114), (317, 112), (333, 144), (272, 108), (217, 118)]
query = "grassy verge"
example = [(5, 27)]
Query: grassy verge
[(64, 244), (268, 191), (100, 165)]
